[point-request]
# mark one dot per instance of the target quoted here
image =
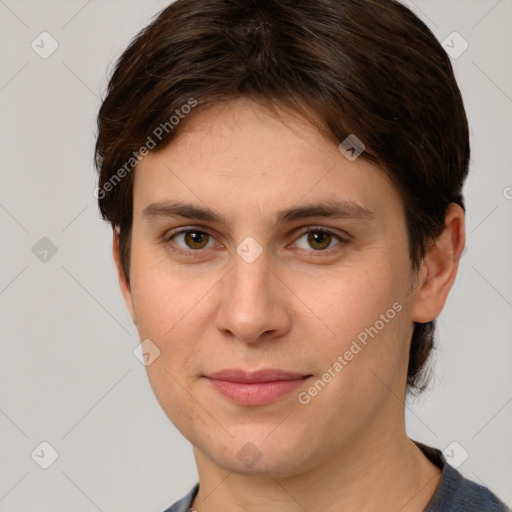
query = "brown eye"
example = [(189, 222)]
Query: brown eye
[(192, 238), (319, 240)]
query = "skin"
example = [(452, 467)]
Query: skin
[(295, 307)]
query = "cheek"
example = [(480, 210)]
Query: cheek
[(172, 308), (161, 296), (351, 300), (178, 403), (366, 315), (169, 315)]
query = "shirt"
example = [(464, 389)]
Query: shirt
[(453, 494)]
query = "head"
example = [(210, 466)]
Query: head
[(239, 109)]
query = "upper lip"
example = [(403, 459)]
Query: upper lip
[(264, 375)]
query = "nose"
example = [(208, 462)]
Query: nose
[(254, 303)]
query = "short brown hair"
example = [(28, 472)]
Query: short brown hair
[(366, 67)]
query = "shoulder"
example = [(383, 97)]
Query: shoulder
[(455, 493), (185, 504)]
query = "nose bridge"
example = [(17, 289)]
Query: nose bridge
[(249, 280), (249, 285), (252, 304)]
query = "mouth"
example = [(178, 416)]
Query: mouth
[(256, 388)]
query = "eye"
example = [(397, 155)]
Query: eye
[(193, 239), (190, 240), (319, 240)]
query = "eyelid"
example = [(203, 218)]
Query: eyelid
[(324, 229), (177, 231)]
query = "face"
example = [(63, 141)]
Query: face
[(273, 278)]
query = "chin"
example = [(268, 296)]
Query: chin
[(256, 452)]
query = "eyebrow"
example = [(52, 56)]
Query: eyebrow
[(334, 209)]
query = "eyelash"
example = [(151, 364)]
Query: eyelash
[(191, 252)]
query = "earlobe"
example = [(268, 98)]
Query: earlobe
[(439, 267), (123, 283)]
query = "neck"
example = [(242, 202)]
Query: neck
[(372, 471)]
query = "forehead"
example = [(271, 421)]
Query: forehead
[(238, 156)]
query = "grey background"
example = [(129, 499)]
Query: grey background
[(68, 375)]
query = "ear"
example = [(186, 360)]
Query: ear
[(123, 283), (439, 267)]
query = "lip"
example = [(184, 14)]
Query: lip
[(255, 388)]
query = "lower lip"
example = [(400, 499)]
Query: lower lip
[(259, 393)]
